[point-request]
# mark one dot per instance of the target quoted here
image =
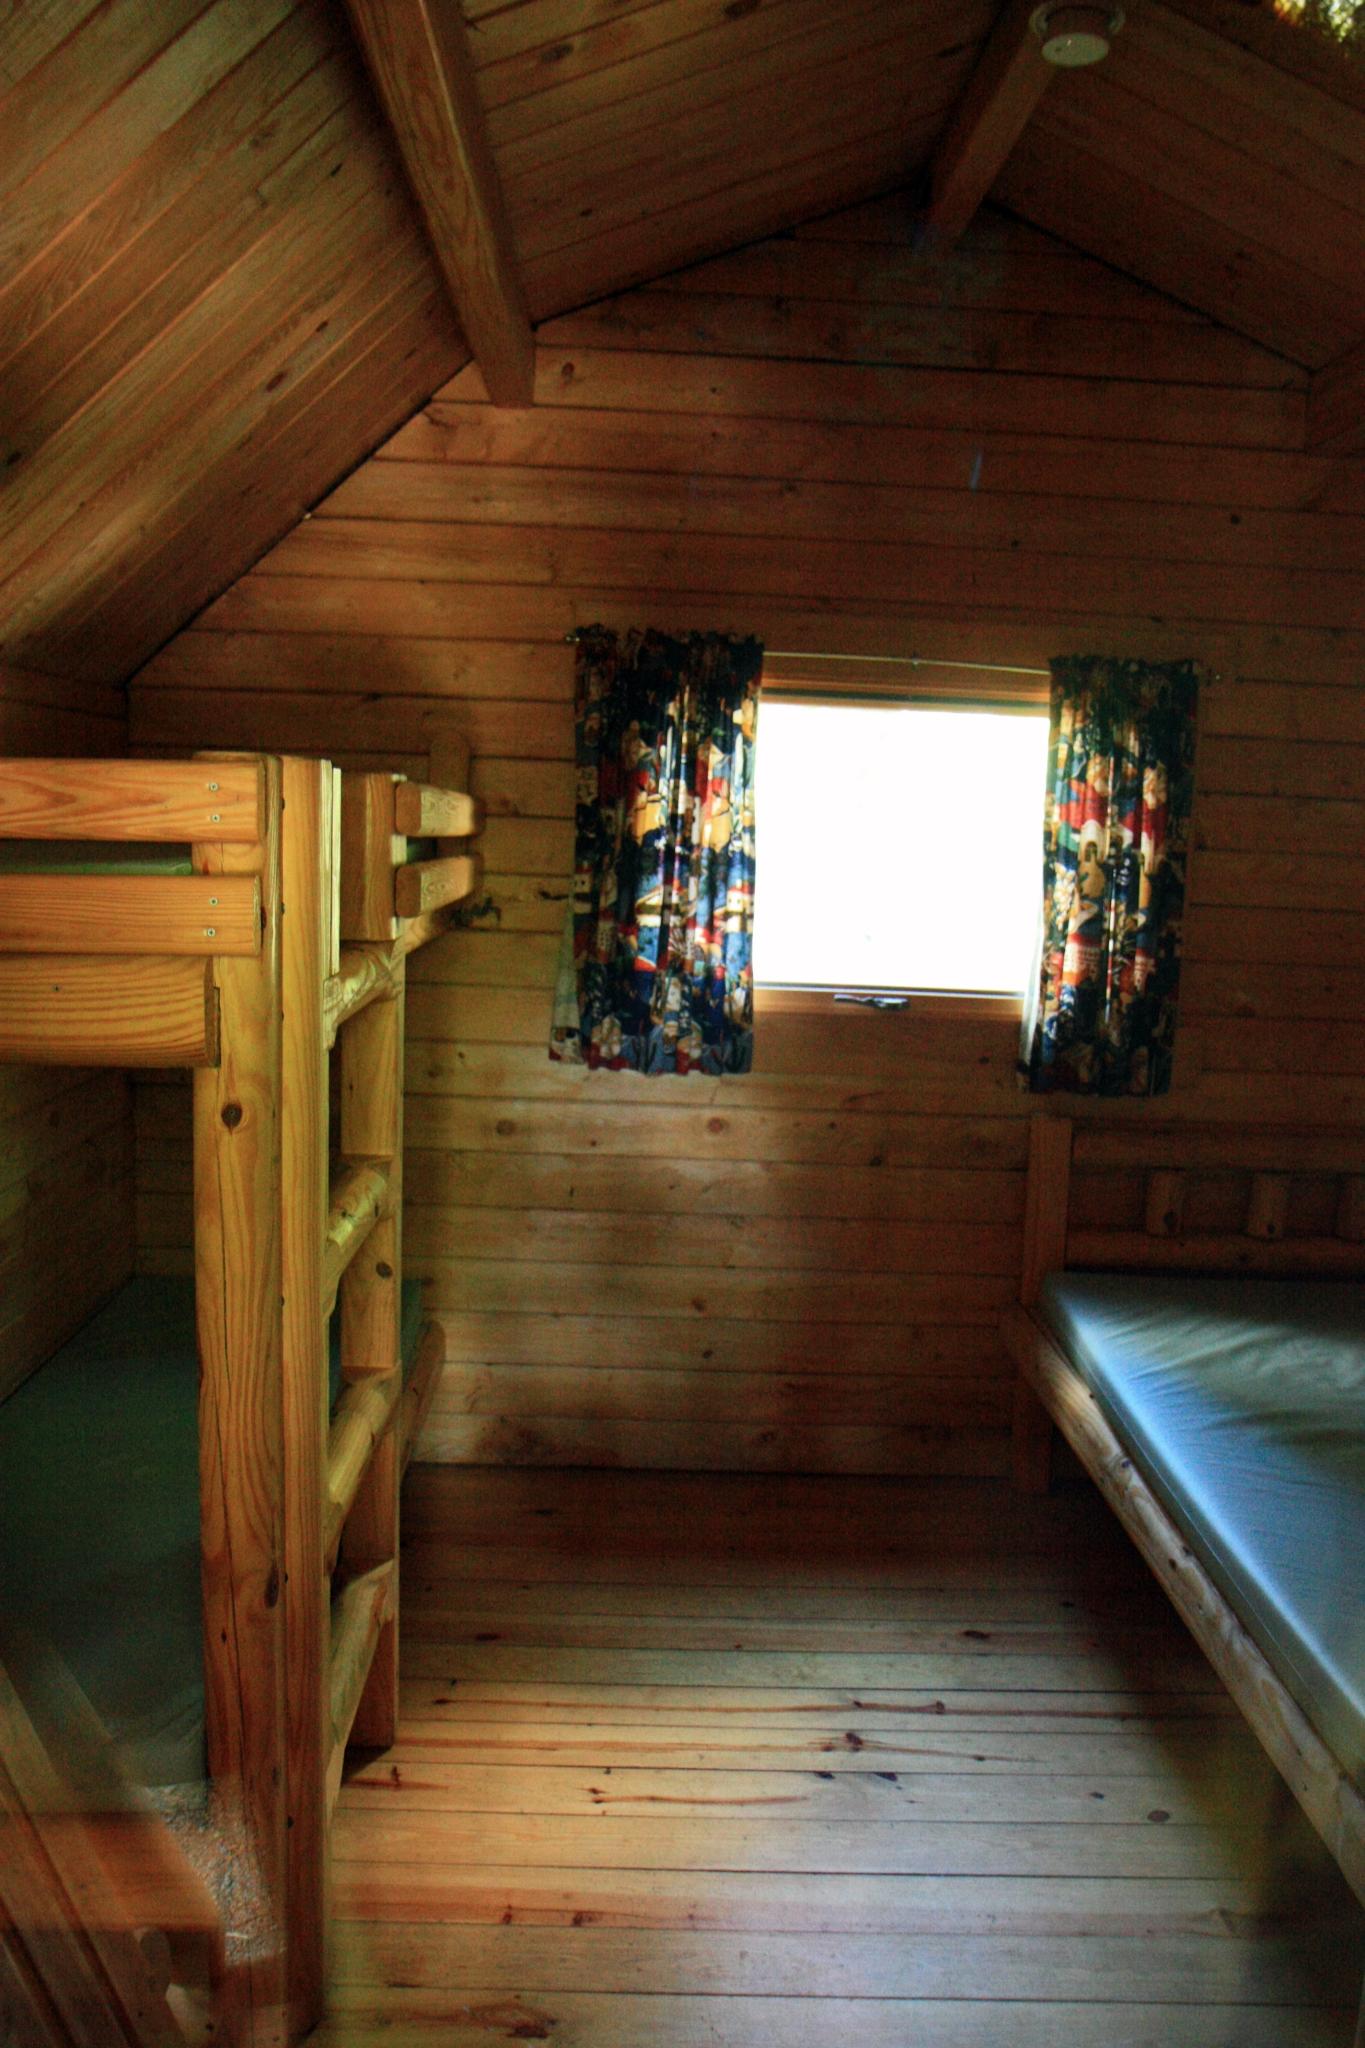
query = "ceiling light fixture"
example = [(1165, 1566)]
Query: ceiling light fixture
[(1075, 36)]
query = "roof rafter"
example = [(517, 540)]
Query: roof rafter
[(418, 56), (1010, 79)]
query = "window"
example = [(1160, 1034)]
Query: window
[(1342, 19), (898, 846)]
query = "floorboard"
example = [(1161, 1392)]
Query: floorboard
[(712, 1761)]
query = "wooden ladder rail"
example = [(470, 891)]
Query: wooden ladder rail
[(365, 1411), (311, 960), (341, 1245), (389, 907), (370, 1296), (348, 1641), (361, 1270), (240, 1317)]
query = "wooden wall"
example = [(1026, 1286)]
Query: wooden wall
[(827, 442), (66, 1139)]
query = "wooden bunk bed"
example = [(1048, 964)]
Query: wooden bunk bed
[(1213, 1418), (282, 933)]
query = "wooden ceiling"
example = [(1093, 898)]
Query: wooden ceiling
[(1231, 183), (217, 295)]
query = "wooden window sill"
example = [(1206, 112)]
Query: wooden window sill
[(824, 1002)]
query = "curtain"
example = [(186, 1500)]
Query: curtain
[(1101, 1020), (656, 971)]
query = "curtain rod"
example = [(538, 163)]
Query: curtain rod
[(988, 668)]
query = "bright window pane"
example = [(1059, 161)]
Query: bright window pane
[(897, 848)]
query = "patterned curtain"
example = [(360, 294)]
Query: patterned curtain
[(656, 968), (1120, 777)]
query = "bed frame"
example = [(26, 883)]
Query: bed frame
[(1115, 1197), (289, 938)]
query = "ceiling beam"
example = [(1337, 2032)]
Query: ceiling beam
[(1336, 405), (1010, 79), (418, 55)]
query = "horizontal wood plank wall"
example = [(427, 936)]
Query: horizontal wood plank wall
[(829, 443), (66, 1138)]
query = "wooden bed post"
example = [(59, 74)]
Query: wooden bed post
[(1045, 1209), (371, 1319), (309, 956), (238, 1310)]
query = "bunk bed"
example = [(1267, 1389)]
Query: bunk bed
[(218, 1457), (1192, 1318)]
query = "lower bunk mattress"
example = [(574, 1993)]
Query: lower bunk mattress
[(1242, 1403), (99, 1518)]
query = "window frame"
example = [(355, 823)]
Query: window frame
[(921, 685)]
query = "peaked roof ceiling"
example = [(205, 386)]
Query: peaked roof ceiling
[(216, 295)]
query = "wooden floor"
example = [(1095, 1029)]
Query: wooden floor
[(714, 1762)]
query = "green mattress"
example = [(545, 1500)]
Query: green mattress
[(92, 857), (99, 1518), (127, 856), (1242, 1401)]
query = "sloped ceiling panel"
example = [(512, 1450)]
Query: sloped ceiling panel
[(1234, 182), (213, 301), (634, 139), (216, 299)]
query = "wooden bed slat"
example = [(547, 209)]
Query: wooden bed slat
[(420, 931), (170, 801), (365, 973), (367, 857), (363, 1413), (425, 812), (424, 885), (359, 1197), (1123, 1144), (371, 972), (177, 914), (417, 1394), (1132, 1251), (360, 1614), (1326, 1794), (142, 1011)]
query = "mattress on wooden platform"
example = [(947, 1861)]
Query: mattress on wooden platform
[(1243, 1405), (99, 1519)]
